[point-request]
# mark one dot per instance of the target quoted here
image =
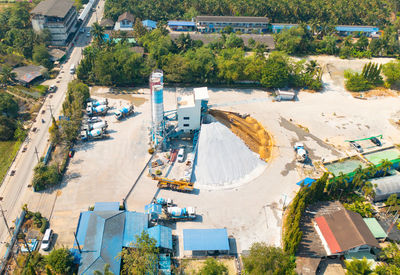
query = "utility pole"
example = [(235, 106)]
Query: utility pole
[(37, 154), (8, 229)]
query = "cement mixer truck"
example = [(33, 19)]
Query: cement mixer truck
[(94, 134), (164, 202), (97, 111), (102, 125), (123, 112), (177, 213), (103, 101), (301, 152)]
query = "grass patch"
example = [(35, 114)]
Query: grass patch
[(8, 150), (193, 266)]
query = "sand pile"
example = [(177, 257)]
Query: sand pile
[(223, 160)]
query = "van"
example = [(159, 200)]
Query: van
[(72, 69), (181, 155), (46, 241)]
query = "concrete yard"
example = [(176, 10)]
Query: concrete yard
[(105, 170)]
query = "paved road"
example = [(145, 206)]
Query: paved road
[(15, 190)]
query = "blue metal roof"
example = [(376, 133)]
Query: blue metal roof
[(182, 23), (150, 24), (103, 242), (106, 206), (164, 262), (82, 227), (205, 239), (135, 223), (163, 236), (306, 182), (357, 28)]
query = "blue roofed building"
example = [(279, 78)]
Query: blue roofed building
[(185, 26), (205, 241), (149, 24), (278, 27), (348, 30), (103, 232)]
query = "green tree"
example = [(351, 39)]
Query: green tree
[(358, 267), (176, 68), (55, 134), (7, 128), (231, 64), (106, 271), (264, 259), (138, 29), (296, 40), (142, 258), (41, 56), (98, 34), (276, 73), (392, 200), (213, 267), (6, 75), (233, 41), (61, 261), (8, 106), (391, 71), (45, 176)]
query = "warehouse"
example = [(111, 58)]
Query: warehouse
[(386, 186), (349, 30), (182, 26), (244, 24), (205, 241)]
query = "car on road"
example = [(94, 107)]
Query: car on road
[(24, 149), (43, 111), (52, 89), (93, 119), (376, 141), (46, 241), (72, 69), (82, 30), (181, 155), (34, 129), (356, 146), (71, 153), (88, 34), (12, 173)]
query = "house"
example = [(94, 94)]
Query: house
[(56, 54), (107, 24), (182, 26), (244, 24), (27, 74), (344, 231), (149, 24), (125, 22), (205, 241), (105, 231), (57, 16)]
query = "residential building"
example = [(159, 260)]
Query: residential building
[(149, 24), (107, 24), (57, 16), (244, 24), (344, 231), (182, 26), (125, 22)]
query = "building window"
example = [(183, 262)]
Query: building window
[(186, 118), (185, 125)]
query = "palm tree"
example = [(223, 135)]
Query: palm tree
[(6, 75), (105, 272), (98, 33), (358, 267)]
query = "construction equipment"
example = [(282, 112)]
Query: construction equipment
[(94, 134), (95, 111), (177, 213), (98, 125), (96, 103), (123, 112), (177, 185), (164, 202), (301, 152)]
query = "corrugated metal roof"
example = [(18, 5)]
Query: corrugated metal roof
[(375, 228), (106, 206), (55, 8), (328, 235), (163, 236), (232, 19), (346, 28), (28, 73), (135, 223), (205, 239), (149, 23), (153, 208), (182, 23), (386, 186)]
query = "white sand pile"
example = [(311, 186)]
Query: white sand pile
[(223, 160)]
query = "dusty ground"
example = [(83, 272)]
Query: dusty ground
[(106, 170), (193, 267)]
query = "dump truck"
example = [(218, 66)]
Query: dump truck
[(177, 213), (102, 125), (301, 152), (124, 112), (97, 111), (176, 185), (94, 134)]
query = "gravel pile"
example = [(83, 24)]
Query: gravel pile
[(223, 160)]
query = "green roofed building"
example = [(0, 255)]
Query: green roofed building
[(375, 228)]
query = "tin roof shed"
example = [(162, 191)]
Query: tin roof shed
[(205, 239)]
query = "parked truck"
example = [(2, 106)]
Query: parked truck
[(96, 103), (102, 125), (164, 202), (94, 134), (97, 111), (301, 152), (123, 112), (177, 213)]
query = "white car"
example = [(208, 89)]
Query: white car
[(93, 119), (181, 155)]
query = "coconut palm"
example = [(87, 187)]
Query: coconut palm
[(98, 33)]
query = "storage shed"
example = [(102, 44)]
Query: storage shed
[(206, 241), (386, 186)]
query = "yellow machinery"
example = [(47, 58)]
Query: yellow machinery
[(178, 185)]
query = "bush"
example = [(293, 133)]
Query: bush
[(45, 176), (213, 267), (45, 225), (61, 261)]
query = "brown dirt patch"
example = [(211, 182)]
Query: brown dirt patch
[(249, 130), (193, 266), (120, 93), (381, 92)]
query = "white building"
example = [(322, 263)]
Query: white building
[(57, 16), (125, 22), (189, 109)]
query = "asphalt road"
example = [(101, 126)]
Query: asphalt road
[(15, 191)]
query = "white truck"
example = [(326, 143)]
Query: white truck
[(72, 69), (97, 111), (94, 134), (95, 103), (301, 152), (102, 125), (124, 112), (177, 213)]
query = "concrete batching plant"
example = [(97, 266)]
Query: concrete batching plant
[(157, 105)]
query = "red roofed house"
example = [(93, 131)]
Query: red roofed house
[(344, 231)]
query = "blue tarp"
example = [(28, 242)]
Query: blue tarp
[(106, 206), (164, 262), (163, 236), (306, 182), (135, 223), (149, 24), (182, 23), (205, 239)]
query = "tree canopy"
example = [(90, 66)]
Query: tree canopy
[(61, 261)]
